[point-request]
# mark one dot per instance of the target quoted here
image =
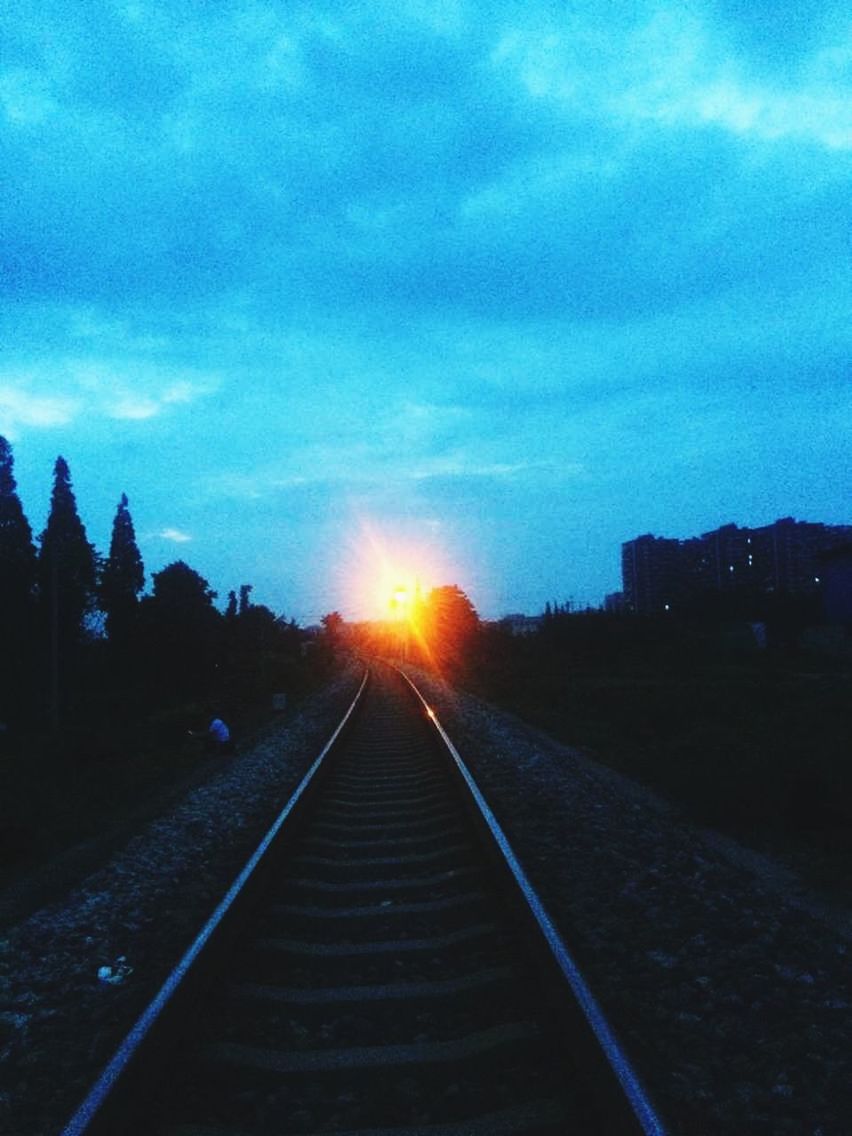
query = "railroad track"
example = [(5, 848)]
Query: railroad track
[(381, 968)]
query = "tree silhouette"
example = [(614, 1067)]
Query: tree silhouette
[(181, 630), (332, 623), (449, 626), (123, 576), (66, 579), (17, 588), (260, 652)]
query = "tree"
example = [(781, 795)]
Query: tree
[(18, 566), (332, 624), (66, 580), (181, 630), (17, 551), (123, 576), (332, 639), (183, 591), (449, 625), (260, 653)]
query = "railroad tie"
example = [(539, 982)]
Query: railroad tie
[(386, 907), (379, 946), (382, 861), (392, 884), (351, 824), (515, 1121), (353, 1058), (375, 992), (386, 842)]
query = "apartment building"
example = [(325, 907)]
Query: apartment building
[(661, 574)]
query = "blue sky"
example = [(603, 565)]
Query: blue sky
[(488, 288)]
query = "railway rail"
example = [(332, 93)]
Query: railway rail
[(381, 967)]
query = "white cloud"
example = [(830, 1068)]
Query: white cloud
[(184, 391), (684, 75), (732, 103), (456, 466), (134, 389), (133, 407), (25, 97), (20, 407), (676, 69), (118, 389), (175, 535)]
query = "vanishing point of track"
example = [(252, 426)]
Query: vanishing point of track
[(382, 967)]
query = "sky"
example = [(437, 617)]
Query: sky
[(463, 292)]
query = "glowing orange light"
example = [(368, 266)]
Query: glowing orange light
[(400, 597), (385, 576)]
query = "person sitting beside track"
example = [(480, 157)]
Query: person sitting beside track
[(217, 736)]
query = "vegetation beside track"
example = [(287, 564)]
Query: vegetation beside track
[(67, 801), (756, 743), (747, 728), (99, 683)]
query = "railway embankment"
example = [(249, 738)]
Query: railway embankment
[(728, 981), (75, 974), (733, 999)]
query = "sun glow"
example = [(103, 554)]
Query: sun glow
[(387, 577), (400, 601)]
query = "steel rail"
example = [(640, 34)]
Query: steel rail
[(116, 1069), (613, 1051)]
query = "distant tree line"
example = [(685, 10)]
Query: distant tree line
[(78, 635)]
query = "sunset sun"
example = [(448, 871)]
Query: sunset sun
[(388, 574)]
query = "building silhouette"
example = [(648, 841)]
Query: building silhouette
[(663, 575)]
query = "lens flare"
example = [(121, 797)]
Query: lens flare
[(387, 574)]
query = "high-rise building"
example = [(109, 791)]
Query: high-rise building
[(661, 574), (651, 574)]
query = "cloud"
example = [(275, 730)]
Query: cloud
[(20, 407), (25, 97), (681, 66), (257, 485), (694, 82), (175, 535), (96, 388), (116, 399), (564, 162), (132, 407)]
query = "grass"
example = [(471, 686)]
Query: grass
[(756, 744), (64, 803)]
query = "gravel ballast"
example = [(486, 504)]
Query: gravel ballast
[(733, 1001), (131, 921)]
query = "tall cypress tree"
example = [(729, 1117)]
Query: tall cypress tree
[(17, 589), (17, 551), (66, 578), (123, 575)]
